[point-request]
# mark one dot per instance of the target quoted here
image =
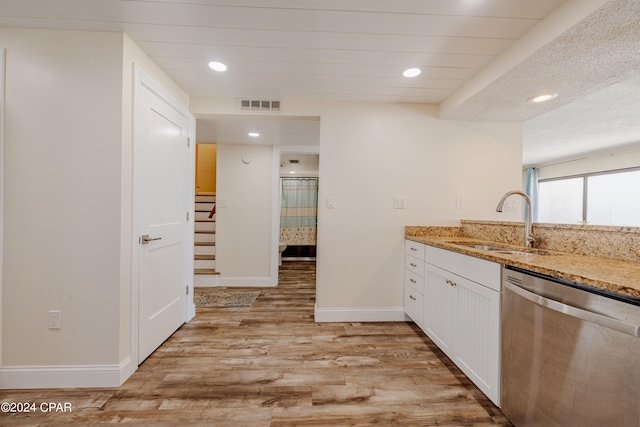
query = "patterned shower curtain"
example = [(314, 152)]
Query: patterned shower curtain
[(299, 211)]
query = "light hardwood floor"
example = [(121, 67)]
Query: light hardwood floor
[(271, 365)]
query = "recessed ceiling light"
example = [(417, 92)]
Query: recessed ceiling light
[(543, 98), (411, 72), (217, 66), (254, 134)]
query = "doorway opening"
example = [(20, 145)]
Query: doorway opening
[(205, 273), (298, 218), (298, 212)]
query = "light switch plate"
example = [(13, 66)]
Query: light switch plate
[(222, 203), (331, 202), (399, 202)]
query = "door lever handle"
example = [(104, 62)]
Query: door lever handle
[(145, 239)]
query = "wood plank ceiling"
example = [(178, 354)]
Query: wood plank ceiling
[(315, 49), (480, 59)]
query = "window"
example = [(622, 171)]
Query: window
[(607, 198)]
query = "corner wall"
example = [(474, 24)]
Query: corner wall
[(243, 228), (371, 153), (61, 248), (67, 206)]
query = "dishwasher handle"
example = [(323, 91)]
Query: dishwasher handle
[(607, 322)]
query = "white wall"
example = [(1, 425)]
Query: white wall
[(67, 211), (628, 157), (370, 153), (243, 229), (62, 196)]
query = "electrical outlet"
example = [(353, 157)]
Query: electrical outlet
[(54, 319), (511, 205)]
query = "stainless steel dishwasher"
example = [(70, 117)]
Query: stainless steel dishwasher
[(570, 353)]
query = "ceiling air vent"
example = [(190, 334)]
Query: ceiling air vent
[(253, 106)]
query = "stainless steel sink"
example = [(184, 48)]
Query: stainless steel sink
[(502, 249)]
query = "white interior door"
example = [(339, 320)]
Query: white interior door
[(162, 138)]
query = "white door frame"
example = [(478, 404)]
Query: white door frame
[(275, 203), (141, 79), (2, 67)]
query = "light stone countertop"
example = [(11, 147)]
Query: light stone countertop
[(619, 276)]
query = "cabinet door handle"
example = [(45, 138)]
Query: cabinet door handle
[(450, 282), (412, 281), (412, 297), (412, 264), (413, 249)]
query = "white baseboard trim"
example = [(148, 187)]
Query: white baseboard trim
[(258, 282), (374, 314), (82, 376)]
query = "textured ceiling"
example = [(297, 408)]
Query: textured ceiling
[(594, 67), (603, 121), (599, 51), (356, 50)]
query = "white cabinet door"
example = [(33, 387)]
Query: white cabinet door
[(463, 320), (414, 305), (478, 335), (440, 309)]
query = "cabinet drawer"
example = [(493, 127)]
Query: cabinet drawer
[(414, 305), (415, 281), (414, 265), (414, 249), (481, 271)]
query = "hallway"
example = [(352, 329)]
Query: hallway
[(271, 365)]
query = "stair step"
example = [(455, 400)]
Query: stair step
[(205, 199), (205, 271), (203, 206), (206, 263), (204, 226), (204, 244), (204, 250), (204, 237)]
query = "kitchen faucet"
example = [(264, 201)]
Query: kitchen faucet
[(528, 235)]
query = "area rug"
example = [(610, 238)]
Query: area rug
[(218, 298)]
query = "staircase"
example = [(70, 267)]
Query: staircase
[(205, 273)]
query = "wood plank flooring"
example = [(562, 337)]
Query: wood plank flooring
[(271, 365)]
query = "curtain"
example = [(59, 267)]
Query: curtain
[(531, 189), (299, 211)]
